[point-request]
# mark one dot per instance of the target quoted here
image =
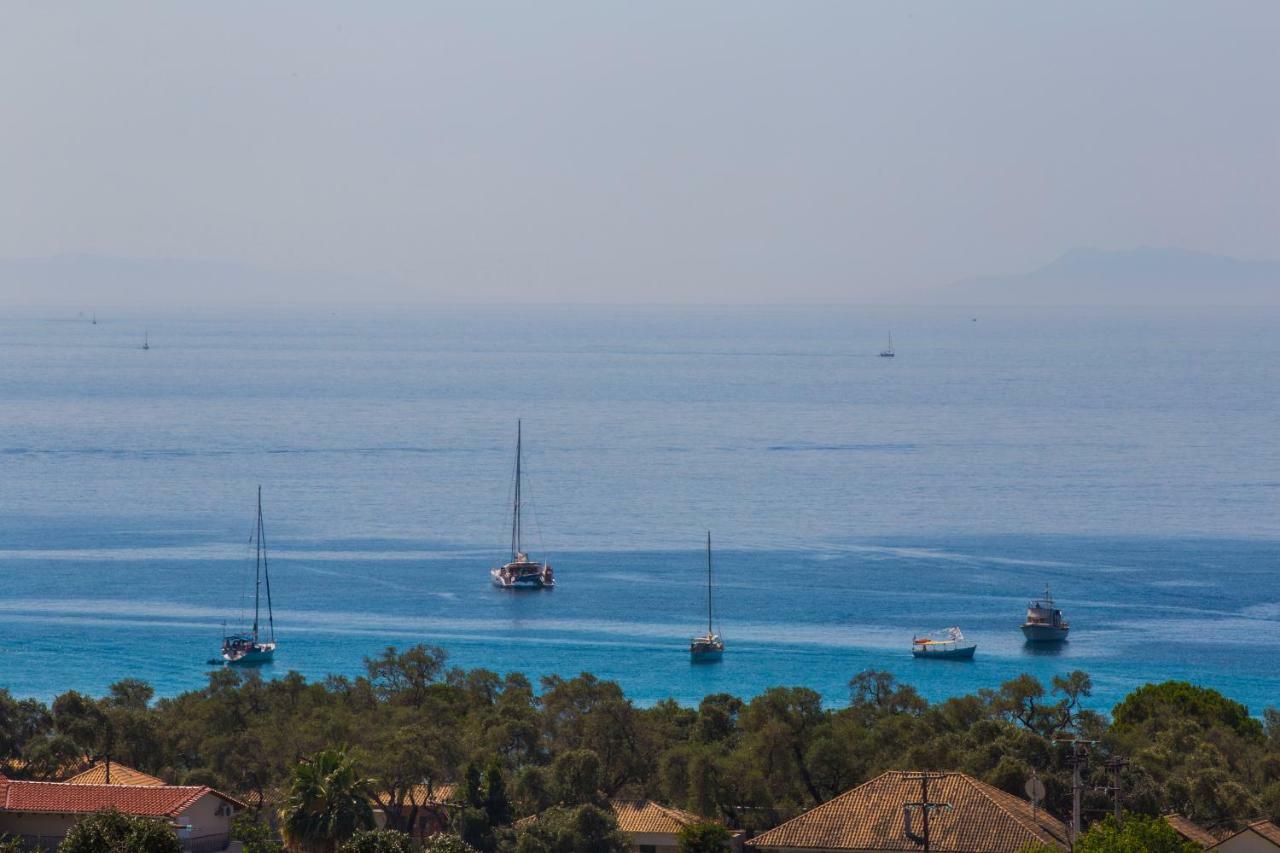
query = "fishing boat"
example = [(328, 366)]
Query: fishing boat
[(521, 572), (887, 352), (1044, 621), (949, 645), (708, 648), (250, 647)]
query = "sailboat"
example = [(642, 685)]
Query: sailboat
[(95, 318), (708, 648), (146, 340), (887, 352), (250, 648), (521, 572)]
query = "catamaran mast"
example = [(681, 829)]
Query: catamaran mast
[(515, 510), (257, 566), (708, 583), (266, 574)]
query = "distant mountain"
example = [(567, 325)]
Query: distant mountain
[(1129, 277), (88, 281)]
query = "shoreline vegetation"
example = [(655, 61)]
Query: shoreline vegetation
[(514, 751)]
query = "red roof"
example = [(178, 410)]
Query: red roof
[(64, 798)]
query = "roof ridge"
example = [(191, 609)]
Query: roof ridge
[(982, 788), (680, 816), (836, 798)]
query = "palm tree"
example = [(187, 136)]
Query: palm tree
[(328, 801)]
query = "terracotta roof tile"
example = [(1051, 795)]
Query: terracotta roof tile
[(120, 775), (1267, 830), (981, 819), (442, 794), (647, 816), (1190, 831), (65, 798)]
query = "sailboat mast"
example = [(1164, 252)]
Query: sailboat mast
[(257, 566), (515, 510), (708, 583), (266, 573)]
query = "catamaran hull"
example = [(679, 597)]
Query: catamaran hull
[(964, 653), (530, 581), (705, 655), (1044, 633), (249, 658)]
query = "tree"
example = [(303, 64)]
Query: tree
[(328, 802), (703, 838), (1136, 834), (377, 841), (584, 829), (445, 843), (9, 844), (257, 837), (1161, 705), (112, 832)]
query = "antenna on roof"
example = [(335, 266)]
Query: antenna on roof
[(925, 805)]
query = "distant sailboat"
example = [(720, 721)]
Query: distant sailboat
[(146, 340), (708, 648), (250, 648), (887, 352), (521, 572), (95, 318)]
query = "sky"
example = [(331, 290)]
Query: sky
[(725, 150)]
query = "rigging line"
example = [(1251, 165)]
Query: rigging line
[(262, 538), (537, 524)]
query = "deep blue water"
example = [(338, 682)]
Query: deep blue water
[(1129, 459)]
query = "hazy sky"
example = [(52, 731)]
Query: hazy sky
[(639, 150)]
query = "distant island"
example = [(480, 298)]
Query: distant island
[(1143, 276)]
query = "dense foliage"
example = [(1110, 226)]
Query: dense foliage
[(113, 832), (564, 749)]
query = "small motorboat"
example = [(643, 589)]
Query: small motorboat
[(949, 645), (1044, 622)]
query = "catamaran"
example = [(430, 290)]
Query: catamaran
[(250, 648), (708, 648), (1044, 622), (887, 352), (521, 572)]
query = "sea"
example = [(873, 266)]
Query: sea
[(1129, 459)]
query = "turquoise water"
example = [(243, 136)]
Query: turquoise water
[(1126, 458)]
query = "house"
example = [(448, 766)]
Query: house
[(41, 813), (109, 773), (1190, 832), (1261, 836), (426, 810), (653, 828), (889, 813)]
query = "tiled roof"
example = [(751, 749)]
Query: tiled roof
[(647, 816), (1266, 829), (120, 775), (442, 794), (1190, 831), (981, 819), (64, 798)]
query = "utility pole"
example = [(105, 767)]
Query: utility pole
[(1078, 759), (925, 805), (1115, 765)]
